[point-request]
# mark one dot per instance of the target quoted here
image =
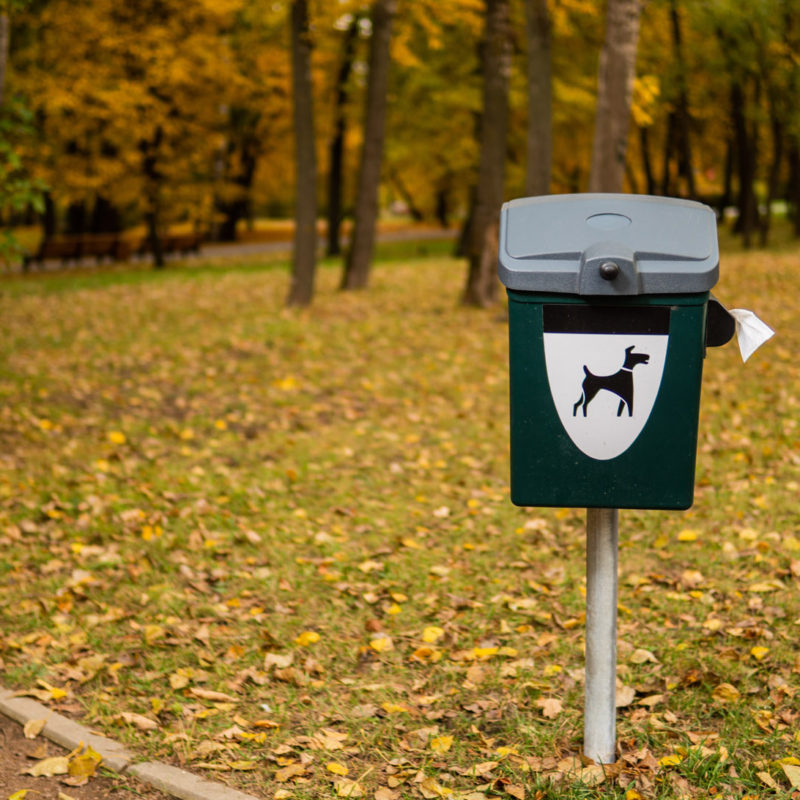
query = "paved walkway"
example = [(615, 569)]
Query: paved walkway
[(215, 250)]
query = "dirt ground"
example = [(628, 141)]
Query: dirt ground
[(18, 753)]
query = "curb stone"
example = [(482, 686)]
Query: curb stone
[(70, 734), (183, 784)]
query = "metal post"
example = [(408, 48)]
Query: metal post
[(599, 732)]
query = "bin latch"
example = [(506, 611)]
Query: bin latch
[(608, 268)]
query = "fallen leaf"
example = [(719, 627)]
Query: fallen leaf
[(33, 727), (431, 788), (768, 780), (593, 775), (137, 720), (726, 693), (792, 773), (19, 795), (47, 767), (336, 768), (515, 791), (307, 638), (347, 788), (688, 535), (441, 744), (84, 765), (551, 707), (759, 653), (640, 656), (625, 696), (381, 644), (289, 771), (208, 694), (432, 634)]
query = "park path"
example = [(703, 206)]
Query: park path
[(239, 250)]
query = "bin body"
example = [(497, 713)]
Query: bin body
[(605, 388)]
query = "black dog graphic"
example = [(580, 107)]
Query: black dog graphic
[(620, 383)]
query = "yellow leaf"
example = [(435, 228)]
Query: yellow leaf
[(381, 644), (347, 788), (393, 708), (688, 535), (759, 653), (430, 788), (84, 765), (426, 653), (432, 634), (116, 437), (336, 768), (441, 744), (47, 767), (632, 794), (725, 693), (33, 727), (412, 544), (792, 773), (152, 633), (670, 761), (307, 638), (289, 771), (20, 795)]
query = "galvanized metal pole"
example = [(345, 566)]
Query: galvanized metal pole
[(599, 732)]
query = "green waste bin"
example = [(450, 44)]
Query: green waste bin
[(608, 299)]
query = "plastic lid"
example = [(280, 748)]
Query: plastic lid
[(608, 244)]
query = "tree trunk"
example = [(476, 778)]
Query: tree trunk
[(481, 284), (683, 119), (540, 99), (359, 259), (647, 162), (408, 198), (669, 146), (4, 44), (745, 166), (153, 177), (614, 95), (774, 172), (238, 208), (793, 187), (335, 173), (304, 262)]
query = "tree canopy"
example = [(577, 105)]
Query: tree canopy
[(182, 110)]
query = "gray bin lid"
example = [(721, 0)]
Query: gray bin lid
[(558, 243)]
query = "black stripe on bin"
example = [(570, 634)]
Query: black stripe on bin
[(565, 318)]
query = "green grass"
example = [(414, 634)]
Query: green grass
[(192, 477)]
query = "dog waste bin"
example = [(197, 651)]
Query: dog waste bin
[(608, 299)]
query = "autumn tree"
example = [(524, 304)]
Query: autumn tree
[(614, 95), (481, 284), (359, 258), (129, 101)]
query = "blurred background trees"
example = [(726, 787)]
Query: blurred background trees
[(156, 112)]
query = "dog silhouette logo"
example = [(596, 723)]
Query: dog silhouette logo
[(620, 383), (604, 368)]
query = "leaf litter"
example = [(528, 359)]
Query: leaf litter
[(310, 514)]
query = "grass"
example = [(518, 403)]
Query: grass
[(307, 513)]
